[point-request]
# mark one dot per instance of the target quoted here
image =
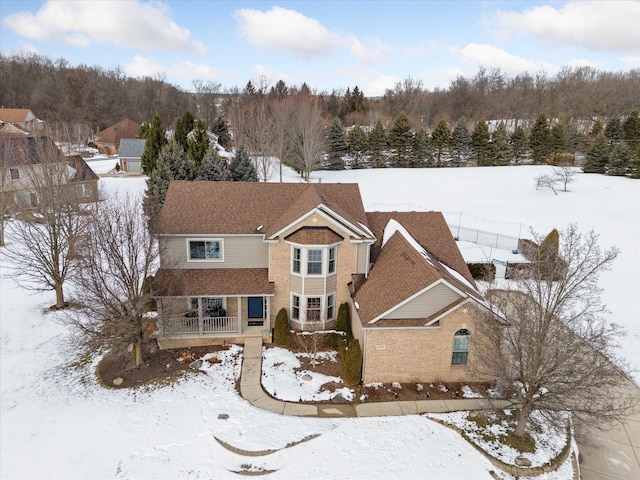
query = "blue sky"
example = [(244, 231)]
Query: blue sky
[(328, 44)]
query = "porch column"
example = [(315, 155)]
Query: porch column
[(268, 303), (239, 314), (160, 322), (200, 320)]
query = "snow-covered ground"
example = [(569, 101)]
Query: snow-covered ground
[(58, 423)]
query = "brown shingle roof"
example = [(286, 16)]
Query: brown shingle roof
[(429, 229), (314, 236), (214, 282), (29, 150), (14, 115), (242, 207), (123, 129), (83, 171)]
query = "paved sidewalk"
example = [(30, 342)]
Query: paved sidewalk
[(608, 455)]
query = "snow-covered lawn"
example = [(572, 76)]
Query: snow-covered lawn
[(57, 422)]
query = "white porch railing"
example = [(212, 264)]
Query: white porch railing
[(197, 326)]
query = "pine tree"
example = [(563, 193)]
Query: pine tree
[(357, 147), (441, 142), (184, 125), (172, 164), (557, 143), (198, 143), (338, 147), (421, 151), (500, 148), (596, 129), (519, 144), (213, 168), (143, 130), (460, 144), (631, 129), (620, 160), (400, 140), (597, 156), (377, 142), (220, 128), (242, 168), (613, 130), (480, 143), (156, 140), (539, 139)]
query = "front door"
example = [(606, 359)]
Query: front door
[(255, 310)]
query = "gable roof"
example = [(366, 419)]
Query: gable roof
[(123, 129), (83, 172), (16, 115), (200, 207), (429, 229), (11, 129), (29, 150), (403, 269), (132, 147)]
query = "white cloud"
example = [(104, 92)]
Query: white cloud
[(490, 56), (290, 31), (272, 76), (146, 67), (600, 25), (631, 62), (80, 23), (285, 30), (373, 83)]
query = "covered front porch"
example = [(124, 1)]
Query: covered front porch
[(203, 307)]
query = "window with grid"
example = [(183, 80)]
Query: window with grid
[(332, 260), (83, 190), (460, 347), (205, 250), (295, 307), (330, 307), (295, 265), (313, 309), (314, 262), (15, 173)]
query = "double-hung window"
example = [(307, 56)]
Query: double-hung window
[(331, 267), (295, 266), (313, 309), (330, 307), (295, 307), (460, 347), (314, 262), (205, 249), (83, 190), (15, 173)]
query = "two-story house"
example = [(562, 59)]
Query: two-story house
[(234, 253)]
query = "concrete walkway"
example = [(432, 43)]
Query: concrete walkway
[(604, 455)]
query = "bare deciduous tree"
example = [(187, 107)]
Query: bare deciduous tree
[(117, 255), (307, 137), (557, 353), (546, 181), (564, 175), (42, 253)]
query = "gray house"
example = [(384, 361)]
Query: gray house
[(130, 151)]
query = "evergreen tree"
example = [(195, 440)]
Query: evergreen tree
[(213, 168), (400, 140), (143, 130), (338, 147), (242, 168), (460, 144), (613, 130), (172, 164), (421, 152), (500, 148), (357, 147), (634, 167), (377, 142), (557, 143), (539, 139), (480, 143), (198, 143), (184, 125), (631, 129), (441, 142), (220, 128), (596, 129), (519, 144), (156, 140), (597, 156), (620, 160)]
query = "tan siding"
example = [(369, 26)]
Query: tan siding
[(331, 283), (426, 304), (239, 252), (361, 266), (314, 285), (296, 283)]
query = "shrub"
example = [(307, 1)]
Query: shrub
[(281, 334), (352, 363), (482, 271), (343, 320)]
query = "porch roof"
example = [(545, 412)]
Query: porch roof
[(212, 282)]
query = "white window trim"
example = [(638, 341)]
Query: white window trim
[(83, 190), (205, 260), (304, 260), (302, 316)]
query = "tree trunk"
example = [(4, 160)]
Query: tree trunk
[(59, 295), (138, 350), (523, 416)]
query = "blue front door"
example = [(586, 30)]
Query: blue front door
[(255, 307)]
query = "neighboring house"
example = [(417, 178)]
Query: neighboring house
[(26, 161), (21, 117), (130, 152), (234, 253), (108, 140)]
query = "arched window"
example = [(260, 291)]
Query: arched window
[(460, 347)]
